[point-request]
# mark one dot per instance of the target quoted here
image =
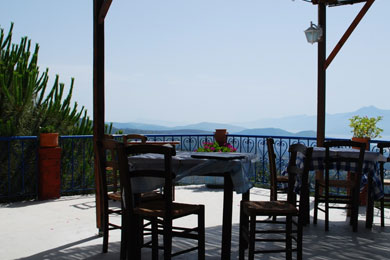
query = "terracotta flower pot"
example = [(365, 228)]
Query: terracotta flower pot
[(362, 140), (220, 136), (48, 140)]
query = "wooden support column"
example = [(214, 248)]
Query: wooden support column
[(98, 95), (321, 83)]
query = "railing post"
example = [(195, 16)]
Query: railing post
[(49, 173)]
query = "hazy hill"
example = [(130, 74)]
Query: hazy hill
[(337, 125), (193, 128), (276, 131), (208, 126)]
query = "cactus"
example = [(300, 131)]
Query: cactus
[(24, 104)]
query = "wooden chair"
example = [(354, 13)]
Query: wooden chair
[(135, 210), (134, 137), (109, 188), (385, 182), (252, 209), (275, 179), (350, 199)]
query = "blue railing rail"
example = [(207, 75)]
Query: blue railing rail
[(77, 164), (19, 171), (18, 167)]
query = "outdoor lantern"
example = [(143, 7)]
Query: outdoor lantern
[(313, 33)]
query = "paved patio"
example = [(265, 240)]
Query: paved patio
[(66, 229)]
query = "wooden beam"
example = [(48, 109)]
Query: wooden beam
[(104, 10), (348, 33), (321, 77), (98, 97)]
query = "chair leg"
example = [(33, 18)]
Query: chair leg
[(300, 239), (154, 238), (133, 246), (167, 239), (326, 208), (105, 233), (124, 229), (382, 203), (252, 237), (355, 207), (288, 237), (316, 198), (201, 234), (243, 244)]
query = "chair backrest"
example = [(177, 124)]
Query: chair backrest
[(134, 137), (107, 159), (297, 172), (127, 175), (272, 161), (382, 146), (110, 168), (357, 160)]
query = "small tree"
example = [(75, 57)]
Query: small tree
[(24, 105)]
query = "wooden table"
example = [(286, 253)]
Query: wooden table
[(369, 169), (208, 164)]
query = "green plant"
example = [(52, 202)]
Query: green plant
[(26, 100), (365, 127), (215, 147), (47, 129)]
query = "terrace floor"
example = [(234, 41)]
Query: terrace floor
[(66, 229)]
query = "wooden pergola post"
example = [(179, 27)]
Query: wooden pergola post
[(100, 9), (324, 62), (321, 80)]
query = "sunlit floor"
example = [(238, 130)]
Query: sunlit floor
[(66, 229)]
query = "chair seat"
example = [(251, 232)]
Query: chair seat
[(146, 196), (337, 183), (156, 208), (282, 179), (267, 208), (116, 196)]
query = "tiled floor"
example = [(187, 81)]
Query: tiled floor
[(66, 229)]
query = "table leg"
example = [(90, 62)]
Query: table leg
[(370, 204), (244, 221), (227, 217)]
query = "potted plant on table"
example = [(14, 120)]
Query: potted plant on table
[(215, 182), (215, 147), (48, 136), (364, 129)]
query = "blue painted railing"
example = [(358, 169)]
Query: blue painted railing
[(19, 170)]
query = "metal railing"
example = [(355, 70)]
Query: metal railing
[(19, 170)]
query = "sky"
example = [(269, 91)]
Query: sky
[(224, 61)]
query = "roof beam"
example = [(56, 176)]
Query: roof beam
[(348, 32), (104, 10)]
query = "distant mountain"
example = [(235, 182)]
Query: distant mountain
[(132, 125), (195, 128), (276, 132), (165, 132), (337, 125), (207, 126)]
